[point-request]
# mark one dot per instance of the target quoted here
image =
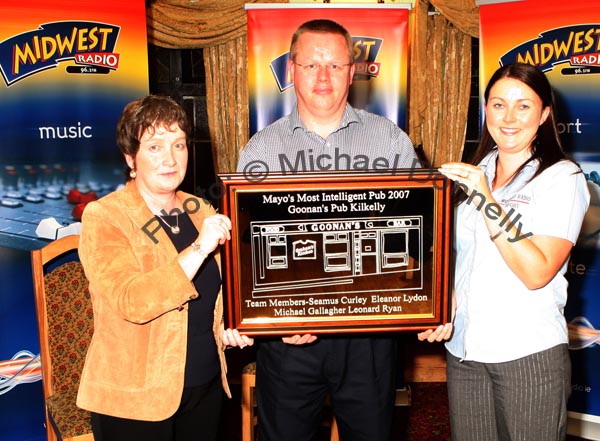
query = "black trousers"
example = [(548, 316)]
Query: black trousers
[(292, 383), (197, 419)]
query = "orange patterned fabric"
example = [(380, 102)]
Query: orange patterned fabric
[(70, 319), (64, 414)]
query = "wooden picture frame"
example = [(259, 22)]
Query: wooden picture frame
[(322, 253)]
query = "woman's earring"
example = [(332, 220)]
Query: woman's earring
[(132, 174)]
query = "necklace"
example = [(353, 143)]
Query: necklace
[(174, 228)]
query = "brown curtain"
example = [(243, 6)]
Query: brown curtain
[(440, 76), (439, 73), (463, 14), (227, 101), (220, 28)]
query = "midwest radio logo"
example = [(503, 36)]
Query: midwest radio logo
[(366, 50), (577, 45), (90, 44)]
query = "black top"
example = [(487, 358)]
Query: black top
[(202, 360)]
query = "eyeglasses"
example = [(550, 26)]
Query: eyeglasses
[(330, 67)]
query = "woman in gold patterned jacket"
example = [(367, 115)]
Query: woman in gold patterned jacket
[(155, 369)]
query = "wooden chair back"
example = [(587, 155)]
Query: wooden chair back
[(65, 326)]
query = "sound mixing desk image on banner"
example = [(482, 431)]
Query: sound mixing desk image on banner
[(67, 70)]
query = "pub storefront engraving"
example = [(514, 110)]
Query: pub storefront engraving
[(372, 256)]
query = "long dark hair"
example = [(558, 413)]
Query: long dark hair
[(546, 146)]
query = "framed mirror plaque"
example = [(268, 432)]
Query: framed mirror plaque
[(337, 253)]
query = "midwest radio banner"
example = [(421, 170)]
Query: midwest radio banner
[(67, 69), (380, 36), (563, 39)]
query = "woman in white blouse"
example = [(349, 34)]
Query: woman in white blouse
[(519, 214)]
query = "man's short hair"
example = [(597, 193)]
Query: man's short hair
[(325, 27)]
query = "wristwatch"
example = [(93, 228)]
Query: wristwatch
[(196, 248)]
